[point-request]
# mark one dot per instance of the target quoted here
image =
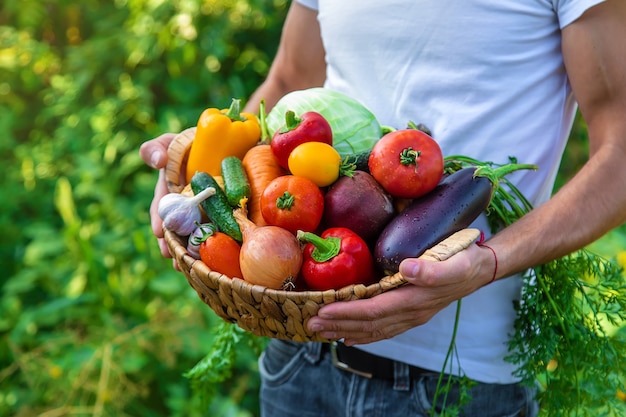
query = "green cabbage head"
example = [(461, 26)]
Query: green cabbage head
[(355, 129)]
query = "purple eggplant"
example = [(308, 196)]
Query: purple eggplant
[(453, 205)]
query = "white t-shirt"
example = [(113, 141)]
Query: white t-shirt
[(487, 77)]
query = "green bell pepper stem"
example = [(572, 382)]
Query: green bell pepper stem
[(234, 111), (291, 122), (325, 248)]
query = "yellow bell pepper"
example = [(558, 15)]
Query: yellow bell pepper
[(221, 133)]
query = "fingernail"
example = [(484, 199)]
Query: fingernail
[(316, 327), (155, 158), (325, 314), (410, 269)]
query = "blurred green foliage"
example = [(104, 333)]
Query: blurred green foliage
[(93, 321)]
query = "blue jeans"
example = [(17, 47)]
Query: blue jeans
[(300, 380)]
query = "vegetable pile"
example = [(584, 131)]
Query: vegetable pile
[(316, 195), (315, 203)]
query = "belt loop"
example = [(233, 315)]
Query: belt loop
[(401, 377)]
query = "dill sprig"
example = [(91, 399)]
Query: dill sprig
[(218, 364), (448, 381), (563, 336)]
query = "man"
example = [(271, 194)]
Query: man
[(491, 80)]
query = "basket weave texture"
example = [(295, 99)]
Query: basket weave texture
[(267, 312)]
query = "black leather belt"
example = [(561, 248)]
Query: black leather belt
[(366, 364)]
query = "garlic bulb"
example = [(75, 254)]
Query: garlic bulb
[(181, 213)]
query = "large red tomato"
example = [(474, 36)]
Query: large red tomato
[(408, 163), (293, 203)]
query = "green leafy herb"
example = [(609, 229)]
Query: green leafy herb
[(562, 337), (216, 367), (448, 380)]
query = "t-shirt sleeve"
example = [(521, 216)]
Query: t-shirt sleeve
[(570, 10), (311, 4)]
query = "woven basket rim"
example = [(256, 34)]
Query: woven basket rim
[(386, 283)]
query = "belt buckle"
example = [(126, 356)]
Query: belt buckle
[(343, 366)]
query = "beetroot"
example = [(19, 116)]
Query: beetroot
[(358, 203)]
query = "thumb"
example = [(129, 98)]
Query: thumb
[(411, 269), (422, 272), (154, 152)]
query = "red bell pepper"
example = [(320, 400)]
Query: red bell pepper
[(309, 127), (335, 259)]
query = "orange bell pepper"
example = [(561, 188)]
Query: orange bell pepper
[(221, 133)]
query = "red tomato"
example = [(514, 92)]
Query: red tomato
[(293, 203), (220, 253), (408, 163)]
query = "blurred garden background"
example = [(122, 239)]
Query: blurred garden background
[(93, 321)]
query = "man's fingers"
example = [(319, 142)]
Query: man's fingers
[(155, 220), (159, 191), (154, 152), (165, 251)]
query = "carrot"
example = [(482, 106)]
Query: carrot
[(261, 168)]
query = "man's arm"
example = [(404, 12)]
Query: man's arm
[(594, 201), (299, 62)]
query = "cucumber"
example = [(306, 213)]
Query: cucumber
[(236, 184), (216, 206)]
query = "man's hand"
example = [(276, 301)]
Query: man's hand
[(432, 287), (154, 154)]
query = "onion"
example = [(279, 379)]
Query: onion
[(270, 255), (199, 235)]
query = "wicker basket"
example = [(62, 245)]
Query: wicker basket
[(267, 312)]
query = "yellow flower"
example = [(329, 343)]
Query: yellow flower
[(552, 365), (55, 371)]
